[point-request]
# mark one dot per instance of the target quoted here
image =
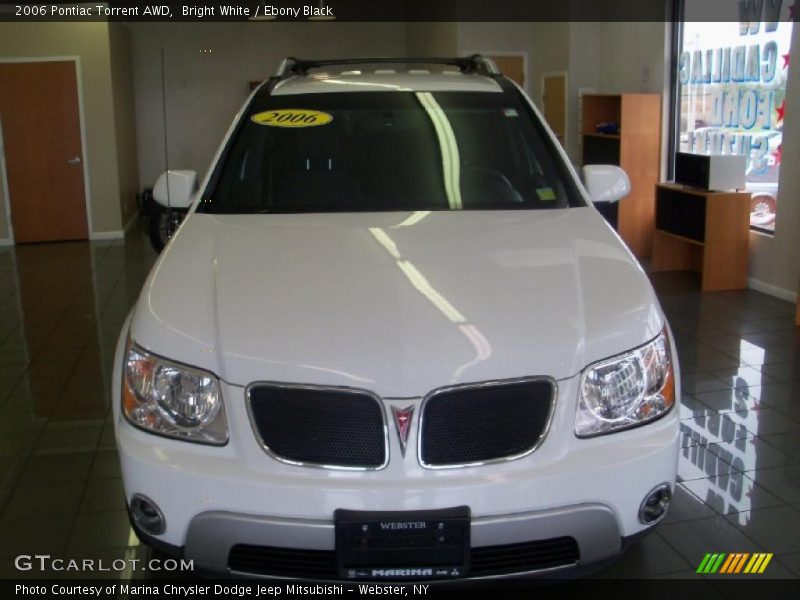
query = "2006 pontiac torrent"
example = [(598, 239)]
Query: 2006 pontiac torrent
[(394, 339)]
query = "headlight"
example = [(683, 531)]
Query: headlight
[(172, 399), (626, 390)]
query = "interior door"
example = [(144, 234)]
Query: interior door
[(512, 66), (554, 100), (44, 156)]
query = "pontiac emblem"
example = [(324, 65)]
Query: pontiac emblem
[(402, 419)]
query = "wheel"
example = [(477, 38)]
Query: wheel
[(762, 210), (763, 203), (162, 226)]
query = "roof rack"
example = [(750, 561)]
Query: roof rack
[(466, 64)]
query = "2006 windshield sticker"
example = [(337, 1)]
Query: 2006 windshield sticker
[(292, 117)]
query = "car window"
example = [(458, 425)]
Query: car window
[(389, 151)]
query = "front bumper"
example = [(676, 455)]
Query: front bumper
[(213, 535), (215, 498)]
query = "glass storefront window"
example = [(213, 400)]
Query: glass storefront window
[(732, 88)]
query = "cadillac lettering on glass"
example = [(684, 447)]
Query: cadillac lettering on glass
[(393, 340)]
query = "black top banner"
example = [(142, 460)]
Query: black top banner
[(329, 11)]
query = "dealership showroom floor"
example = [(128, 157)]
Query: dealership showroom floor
[(61, 308)]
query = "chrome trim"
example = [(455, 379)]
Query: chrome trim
[(135, 514), (517, 574), (304, 386), (494, 383), (409, 410), (659, 487), (671, 354)]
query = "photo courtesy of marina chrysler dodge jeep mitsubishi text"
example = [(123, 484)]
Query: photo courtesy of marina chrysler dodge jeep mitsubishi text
[(393, 339)]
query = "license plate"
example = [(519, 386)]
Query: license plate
[(425, 544)]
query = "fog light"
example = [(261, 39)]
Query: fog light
[(147, 515), (655, 504)]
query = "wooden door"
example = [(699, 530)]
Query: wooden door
[(512, 66), (554, 101), (44, 156)]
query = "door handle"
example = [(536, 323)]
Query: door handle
[(75, 160)]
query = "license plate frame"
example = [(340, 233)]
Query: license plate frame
[(402, 545)]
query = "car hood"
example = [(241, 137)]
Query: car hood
[(398, 303)]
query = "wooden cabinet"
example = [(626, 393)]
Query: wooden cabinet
[(703, 231), (637, 149)]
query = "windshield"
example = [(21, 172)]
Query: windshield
[(389, 151)]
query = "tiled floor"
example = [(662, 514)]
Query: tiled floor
[(61, 308), (739, 468)]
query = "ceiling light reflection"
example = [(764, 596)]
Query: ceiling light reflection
[(415, 218), (418, 281), (483, 349), (451, 160)]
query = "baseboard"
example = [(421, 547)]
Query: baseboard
[(772, 290), (107, 235), (131, 222), (115, 235)]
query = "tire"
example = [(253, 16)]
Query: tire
[(162, 226), (763, 202)]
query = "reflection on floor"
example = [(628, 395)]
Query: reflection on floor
[(61, 308)]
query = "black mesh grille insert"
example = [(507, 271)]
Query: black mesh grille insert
[(474, 424), (320, 426), (487, 560), (283, 562), (526, 556)]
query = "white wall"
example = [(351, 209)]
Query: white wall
[(635, 58), (124, 118), (545, 44), (632, 57), (431, 38), (585, 64), (775, 260), (204, 91)]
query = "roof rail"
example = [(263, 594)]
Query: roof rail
[(466, 64)]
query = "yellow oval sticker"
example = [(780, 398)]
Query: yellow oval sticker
[(292, 117)]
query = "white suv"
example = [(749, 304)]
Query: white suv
[(393, 339)]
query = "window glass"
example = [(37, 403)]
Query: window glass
[(390, 151), (732, 79)]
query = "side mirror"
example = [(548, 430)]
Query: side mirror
[(175, 188), (606, 183)]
